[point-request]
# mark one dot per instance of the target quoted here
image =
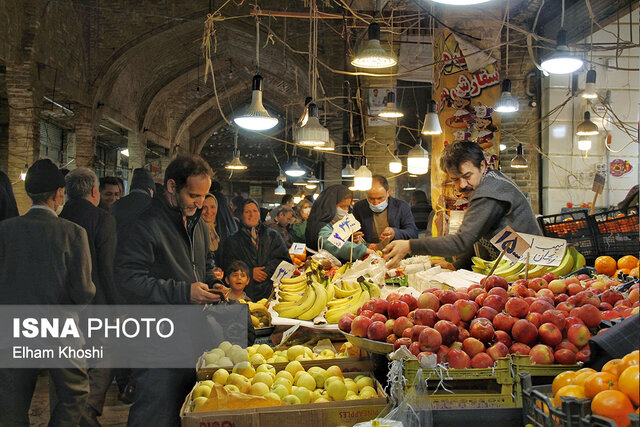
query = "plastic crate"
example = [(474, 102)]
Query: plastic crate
[(617, 232), (575, 228), (540, 374), (467, 388)]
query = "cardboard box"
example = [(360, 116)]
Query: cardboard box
[(330, 414)]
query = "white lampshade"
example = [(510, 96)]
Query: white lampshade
[(587, 127), (431, 124), (395, 165), (418, 160), (363, 178), (372, 55), (312, 134), (584, 144), (590, 87), (294, 169), (519, 162), (280, 191), (561, 61), (348, 171), (236, 164), (256, 117), (330, 146), (391, 111), (506, 103)]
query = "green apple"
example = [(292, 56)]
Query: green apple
[(290, 399), (303, 394), (265, 367)]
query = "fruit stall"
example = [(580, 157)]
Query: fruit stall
[(348, 344)]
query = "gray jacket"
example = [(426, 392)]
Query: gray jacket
[(496, 203), (44, 260)]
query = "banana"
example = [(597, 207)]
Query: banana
[(331, 291), (534, 271), (263, 301), (374, 290), (319, 304), (580, 261), (566, 264), (341, 302), (255, 321), (294, 280), (333, 315), (341, 293), (294, 288), (289, 297), (508, 270), (479, 262), (302, 306)]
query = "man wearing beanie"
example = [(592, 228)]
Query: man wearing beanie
[(127, 209), (31, 272)]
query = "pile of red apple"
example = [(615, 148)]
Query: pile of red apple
[(547, 318)]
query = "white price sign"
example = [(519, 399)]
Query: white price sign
[(284, 270), (544, 250), (343, 229), (511, 242), (297, 248)]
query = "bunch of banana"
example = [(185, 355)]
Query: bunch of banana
[(354, 299), (260, 316), (571, 261)]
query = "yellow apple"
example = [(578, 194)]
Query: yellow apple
[(210, 358), (280, 390), (225, 346), (225, 361), (201, 391), (328, 354), (244, 368), (239, 381), (321, 400), (368, 392), (265, 367), (220, 376), (293, 367), (232, 387), (303, 394), (290, 399), (265, 350), (285, 374), (337, 390), (294, 351), (352, 397), (364, 382), (197, 403), (285, 382), (257, 359), (351, 386), (272, 395), (334, 371), (259, 389), (280, 359), (238, 354), (319, 375), (263, 377), (306, 380)]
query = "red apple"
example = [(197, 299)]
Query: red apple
[(554, 316), (583, 355), (466, 308), (546, 293), (398, 309), (449, 312), (494, 301), (541, 355), (517, 307), (430, 340), (535, 318), (360, 325), (572, 279), (481, 360), (501, 292), (550, 334), (480, 298), (566, 344), (415, 332), (472, 346), (414, 348), (495, 281), (463, 333), (611, 297), (368, 305), (448, 331), (610, 315), (367, 313), (458, 359), (537, 284), (504, 322), (574, 288), (519, 348), (565, 306), (525, 332), (380, 306), (482, 329), (389, 324), (377, 331), (503, 337), (557, 286), (401, 342), (448, 297), (428, 300), (391, 338), (583, 277), (393, 296), (344, 324), (578, 335), (560, 298), (486, 313), (377, 317), (425, 316), (461, 294), (590, 315), (407, 333), (410, 300), (497, 351), (540, 306), (400, 324), (565, 356), (519, 288), (473, 293), (442, 353), (549, 277), (605, 306)]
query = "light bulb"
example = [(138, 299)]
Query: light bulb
[(590, 87), (561, 61), (372, 55), (431, 124), (312, 134), (294, 169), (391, 111), (418, 160), (587, 127), (256, 117), (236, 164), (363, 178), (280, 191), (584, 144), (395, 165), (506, 103), (348, 171)]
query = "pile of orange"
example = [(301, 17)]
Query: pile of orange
[(627, 265), (613, 391)]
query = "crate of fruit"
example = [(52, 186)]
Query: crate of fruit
[(467, 388), (574, 227), (617, 231)]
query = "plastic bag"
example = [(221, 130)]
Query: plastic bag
[(413, 408), (373, 269)]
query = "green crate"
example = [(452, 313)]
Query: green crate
[(540, 374)]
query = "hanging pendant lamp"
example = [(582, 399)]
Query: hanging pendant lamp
[(312, 134), (584, 144), (256, 117), (590, 87), (348, 171), (280, 191), (236, 164), (363, 178), (587, 127), (431, 124), (506, 103), (519, 162), (391, 111), (418, 160), (562, 61), (294, 169), (330, 146), (372, 55), (395, 165)]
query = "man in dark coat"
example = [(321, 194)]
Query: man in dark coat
[(384, 218), (44, 260), (8, 206), (164, 261), (260, 247), (127, 209), (81, 208)]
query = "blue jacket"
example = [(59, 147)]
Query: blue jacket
[(399, 217)]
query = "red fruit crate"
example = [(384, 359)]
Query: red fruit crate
[(617, 232), (574, 227)]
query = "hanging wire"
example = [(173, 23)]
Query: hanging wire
[(507, 62), (257, 44)]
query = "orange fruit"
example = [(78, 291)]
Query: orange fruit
[(634, 272), (562, 379), (576, 391), (631, 359), (613, 404), (628, 383), (582, 377), (621, 272), (627, 262), (605, 265), (614, 366), (598, 382)]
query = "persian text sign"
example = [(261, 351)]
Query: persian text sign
[(343, 229)]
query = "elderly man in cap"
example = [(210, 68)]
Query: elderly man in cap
[(44, 260)]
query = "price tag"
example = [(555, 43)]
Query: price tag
[(285, 269), (297, 248), (343, 229), (544, 250), (514, 244), (287, 334)]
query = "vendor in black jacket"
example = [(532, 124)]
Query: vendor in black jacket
[(260, 247)]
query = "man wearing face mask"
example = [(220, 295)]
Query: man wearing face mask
[(384, 218), (494, 203)]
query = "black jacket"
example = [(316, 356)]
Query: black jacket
[(160, 259), (101, 232), (127, 209), (271, 251), (399, 217)]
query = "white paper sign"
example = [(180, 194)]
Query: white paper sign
[(544, 250), (297, 248), (343, 229), (514, 244), (287, 334), (285, 269)]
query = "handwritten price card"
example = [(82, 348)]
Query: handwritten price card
[(343, 229)]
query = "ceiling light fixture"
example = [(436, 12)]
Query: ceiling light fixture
[(363, 178), (23, 173), (294, 169), (506, 103), (330, 146), (372, 55), (312, 134), (519, 162), (395, 165), (590, 88), (280, 191), (348, 171), (125, 152), (584, 144), (235, 164), (418, 160), (561, 61), (587, 127), (300, 183), (391, 111), (311, 186), (431, 124), (312, 179)]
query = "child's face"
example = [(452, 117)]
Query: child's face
[(238, 280)]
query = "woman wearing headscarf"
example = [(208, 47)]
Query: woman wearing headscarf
[(300, 216), (225, 224), (260, 247), (208, 216), (332, 205), (8, 206)]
